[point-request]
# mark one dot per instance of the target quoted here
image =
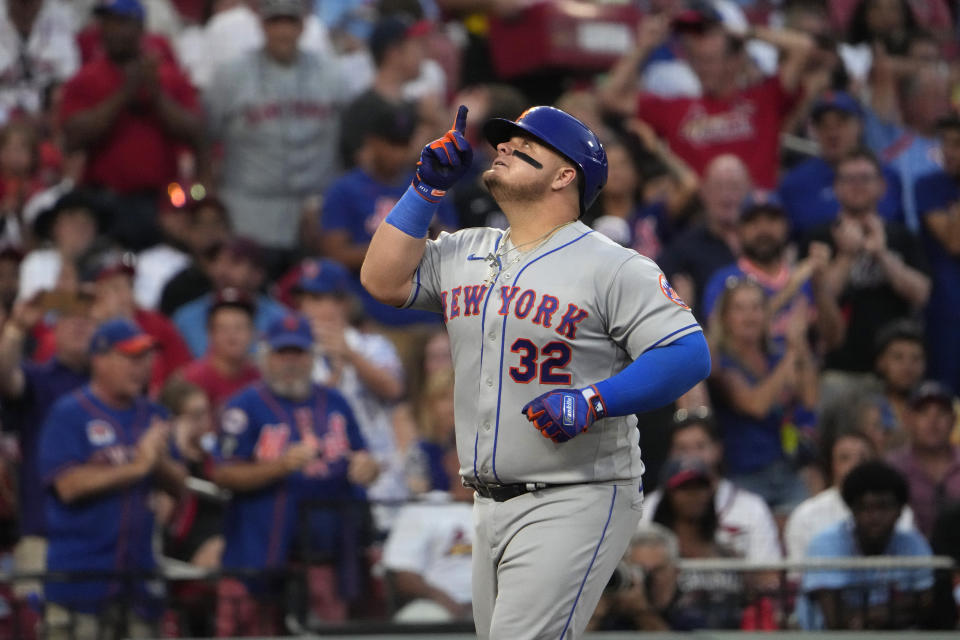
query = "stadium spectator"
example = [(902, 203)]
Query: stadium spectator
[(193, 528), (232, 30), (37, 50), (763, 232), (908, 98), (877, 269), (20, 178), (929, 462), (131, 113), (633, 208), (428, 553), (226, 367), (194, 532), (103, 448), (764, 395), (807, 190), (707, 599), (842, 453), (900, 364), (68, 231), (29, 390), (282, 442), (887, 22), (357, 202), (435, 434), (694, 255), (276, 112), (363, 366), (874, 599), (642, 595), (236, 264), (397, 44), (112, 281), (157, 265), (938, 206), (744, 521), (209, 231), (728, 118)]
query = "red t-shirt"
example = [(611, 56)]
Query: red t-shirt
[(218, 388), (136, 154), (172, 353), (747, 124)]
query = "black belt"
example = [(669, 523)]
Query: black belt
[(503, 492)]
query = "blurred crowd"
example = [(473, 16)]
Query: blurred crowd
[(192, 376)]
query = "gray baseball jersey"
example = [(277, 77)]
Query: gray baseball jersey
[(576, 310), (279, 126)]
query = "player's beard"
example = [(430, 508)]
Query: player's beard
[(504, 192)]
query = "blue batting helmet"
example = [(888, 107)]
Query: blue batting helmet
[(564, 134)]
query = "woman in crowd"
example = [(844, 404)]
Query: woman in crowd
[(764, 396), (707, 599)]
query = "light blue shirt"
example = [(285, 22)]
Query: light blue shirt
[(908, 153), (838, 541), (191, 320)]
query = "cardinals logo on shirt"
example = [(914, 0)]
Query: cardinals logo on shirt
[(100, 433), (671, 293)]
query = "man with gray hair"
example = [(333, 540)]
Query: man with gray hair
[(283, 442), (641, 594), (276, 110)]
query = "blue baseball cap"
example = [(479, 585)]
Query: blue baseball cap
[(292, 331), (761, 202), (124, 8), (835, 101), (121, 335), (322, 276)]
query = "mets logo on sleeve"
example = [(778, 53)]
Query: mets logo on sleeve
[(100, 432), (671, 293)]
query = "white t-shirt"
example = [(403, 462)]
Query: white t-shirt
[(746, 524), (374, 416), (155, 267), (434, 538), (815, 514)]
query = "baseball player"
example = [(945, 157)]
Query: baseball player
[(559, 336)]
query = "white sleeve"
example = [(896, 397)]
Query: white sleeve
[(763, 541)]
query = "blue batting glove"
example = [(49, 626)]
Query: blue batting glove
[(562, 415), (444, 161)]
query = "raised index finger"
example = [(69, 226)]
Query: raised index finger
[(460, 124)]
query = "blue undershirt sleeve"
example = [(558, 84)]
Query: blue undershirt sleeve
[(658, 377)]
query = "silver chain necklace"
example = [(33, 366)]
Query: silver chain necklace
[(495, 260)]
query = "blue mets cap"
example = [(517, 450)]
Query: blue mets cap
[(121, 335), (292, 331), (125, 8), (835, 101), (761, 202), (322, 276)]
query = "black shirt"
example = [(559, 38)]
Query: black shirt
[(868, 302), (698, 253)]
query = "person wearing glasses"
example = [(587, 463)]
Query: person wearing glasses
[(878, 270)]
